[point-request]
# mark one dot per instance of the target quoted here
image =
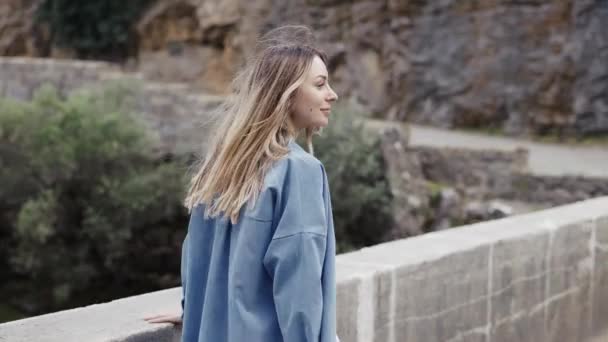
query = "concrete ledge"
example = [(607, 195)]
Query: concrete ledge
[(534, 277), (118, 320), (542, 276)]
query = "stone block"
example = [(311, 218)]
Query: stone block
[(443, 299), (347, 299), (518, 283), (568, 311), (18, 91), (358, 300), (384, 306), (600, 278), (368, 308)]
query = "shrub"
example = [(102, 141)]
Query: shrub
[(360, 193), (91, 214)]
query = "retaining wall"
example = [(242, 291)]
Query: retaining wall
[(172, 110)]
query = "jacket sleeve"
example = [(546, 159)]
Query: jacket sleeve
[(183, 272), (295, 256)]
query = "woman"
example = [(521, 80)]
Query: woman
[(258, 260)]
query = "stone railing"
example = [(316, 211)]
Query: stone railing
[(541, 276), (537, 277)]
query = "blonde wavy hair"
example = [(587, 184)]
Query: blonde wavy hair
[(255, 124)]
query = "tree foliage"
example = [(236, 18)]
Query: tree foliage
[(100, 29), (88, 212), (85, 203)]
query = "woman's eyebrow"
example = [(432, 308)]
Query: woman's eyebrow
[(322, 76)]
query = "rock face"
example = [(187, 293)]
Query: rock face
[(17, 34), (411, 195), (520, 67), (191, 41)]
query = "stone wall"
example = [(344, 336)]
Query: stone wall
[(173, 111), (438, 188), (539, 277), (486, 174), (476, 172), (555, 190)]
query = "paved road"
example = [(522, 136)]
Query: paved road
[(545, 159)]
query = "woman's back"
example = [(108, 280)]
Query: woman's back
[(269, 277)]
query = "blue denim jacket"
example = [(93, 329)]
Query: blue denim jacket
[(271, 276)]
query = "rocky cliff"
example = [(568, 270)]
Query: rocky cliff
[(518, 66)]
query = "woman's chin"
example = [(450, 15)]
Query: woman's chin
[(319, 125), (323, 122)]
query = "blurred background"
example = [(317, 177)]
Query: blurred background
[(450, 113)]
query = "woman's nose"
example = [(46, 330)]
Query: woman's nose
[(332, 95)]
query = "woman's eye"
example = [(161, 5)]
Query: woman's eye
[(320, 85)]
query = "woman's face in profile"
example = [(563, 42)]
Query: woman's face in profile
[(314, 97)]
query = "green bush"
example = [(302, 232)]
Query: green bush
[(88, 212), (360, 192), (100, 29)]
